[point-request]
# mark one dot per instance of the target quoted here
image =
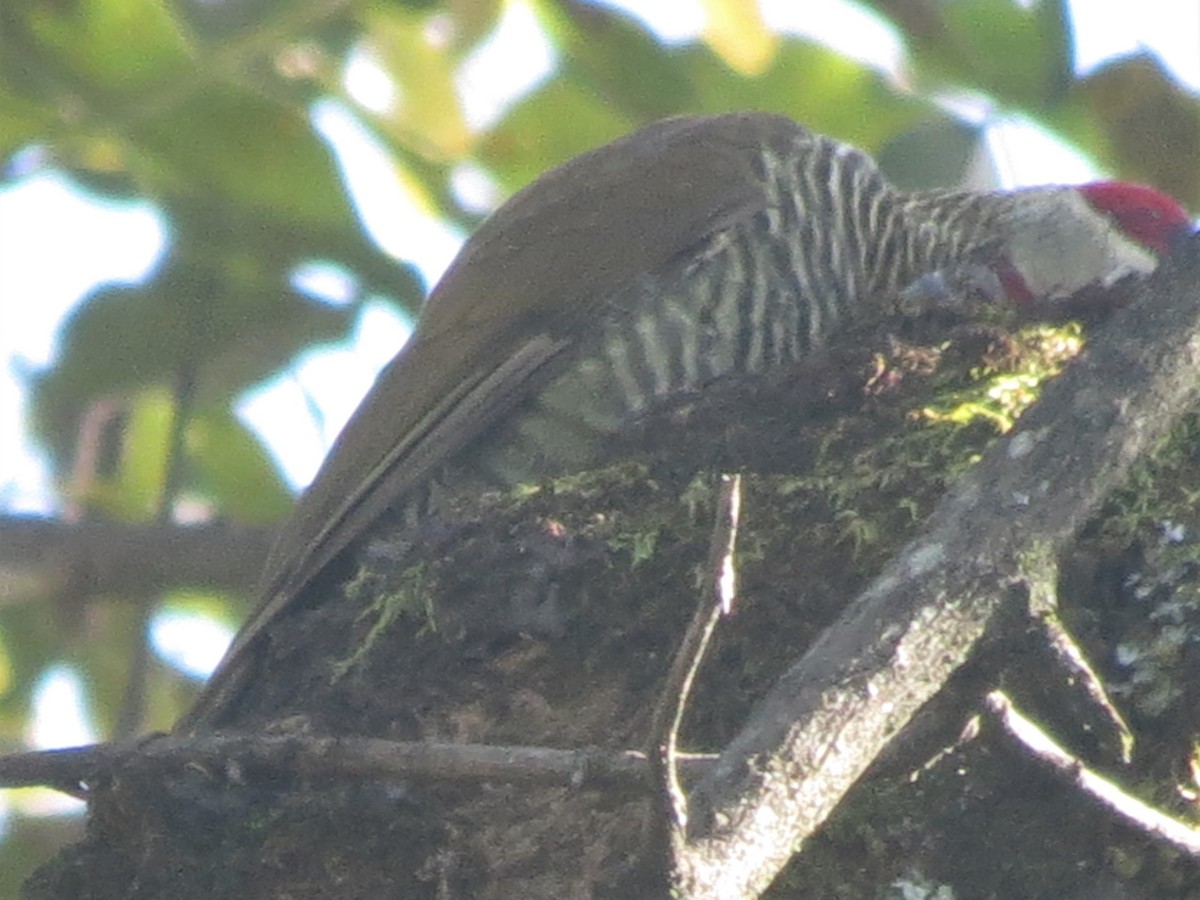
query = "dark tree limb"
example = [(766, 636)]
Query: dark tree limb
[(41, 558), (992, 540), (73, 769)]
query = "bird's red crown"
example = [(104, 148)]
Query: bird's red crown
[(1150, 217)]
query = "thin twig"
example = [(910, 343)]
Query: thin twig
[(1042, 577), (716, 599), (1043, 747), (1072, 658)]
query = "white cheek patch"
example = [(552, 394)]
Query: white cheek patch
[(1063, 245)]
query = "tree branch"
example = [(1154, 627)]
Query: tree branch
[(42, 557), (988, 542), (1180, 835), (624, 773)]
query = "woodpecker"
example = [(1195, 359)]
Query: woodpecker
[(695, 248)]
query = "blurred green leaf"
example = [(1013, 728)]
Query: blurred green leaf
[(7, 675), (735, 31), (135, 492), (22, 122), (934, 153), (213, 23), (427, 117), (251, 152), (126, 338), (855, 102), (471, 20), (37, 636), (531, 138), (29, 841), (1019, 54), (87, 46), (617, 63), (103, 654), (1150, 125), (232, 467)]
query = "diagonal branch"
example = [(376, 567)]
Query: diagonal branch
[(988, 543)]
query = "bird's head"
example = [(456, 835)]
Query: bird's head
[(1062, 240), (1150, 217)]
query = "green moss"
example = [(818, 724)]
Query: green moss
[(599, 483), (998, 395), (411, 595), (639, 545), (1160, 486), (871, 484)]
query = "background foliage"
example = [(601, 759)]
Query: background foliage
[(205, 109)]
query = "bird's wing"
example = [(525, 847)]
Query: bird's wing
[(510, 303)]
